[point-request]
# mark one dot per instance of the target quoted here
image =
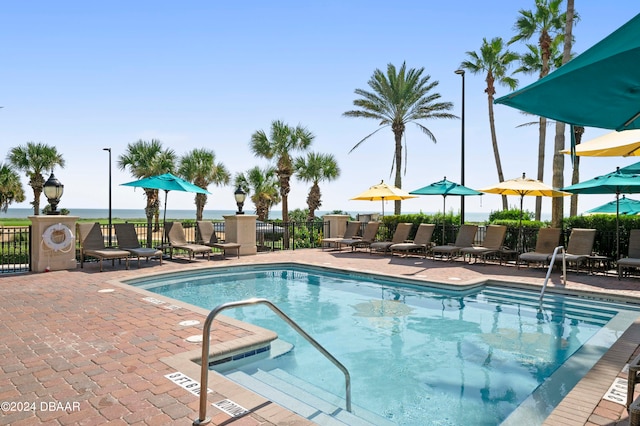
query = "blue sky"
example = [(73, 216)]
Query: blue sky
[(87, 75)]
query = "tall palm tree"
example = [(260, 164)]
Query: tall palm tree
[(557, 206), (398, 98), (282, 141), (314, 168), (547, 21), (262, 185), (199, 167), (493, 61), (11, 190), (34, 159), (146, 159)]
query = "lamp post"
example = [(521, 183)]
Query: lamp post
[(460, 72), (240, 197), (53, 190), (109, 150)]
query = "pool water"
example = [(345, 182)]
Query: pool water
[(419, 355)]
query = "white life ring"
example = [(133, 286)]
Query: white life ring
[(57, 237)]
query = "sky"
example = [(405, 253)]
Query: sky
[(83, 76)]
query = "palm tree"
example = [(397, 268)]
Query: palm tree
[(34, 159), (314, 168), (279, 145), (200, 168), (398, 98), (146, 159), (11, 190), (494, 62), (548, 22), (262, 185), (557, 206)]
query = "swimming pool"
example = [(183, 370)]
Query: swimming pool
[(418, 355)]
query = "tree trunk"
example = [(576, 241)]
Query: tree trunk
[(37, 183), (313, 201), (557, 203), (575, 176), (541, 147), (496, 153), (397, 132), (201, 200)]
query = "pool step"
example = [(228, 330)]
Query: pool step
[(303, 398), (584, 309)]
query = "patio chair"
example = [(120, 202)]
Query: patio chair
[(128, 240), (493, 241), (465, 237), (175, 234), (209, 238), (353, 229), (92, 244), (400, 235), (421, 243), (633, 259), (548, 240), (580, 247), (368, 237)]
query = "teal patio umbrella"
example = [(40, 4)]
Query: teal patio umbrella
[(599, 88), (612, 183), (167, 182), (445, 187), (624, 206)]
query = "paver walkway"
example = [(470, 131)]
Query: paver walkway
[(73, 354)]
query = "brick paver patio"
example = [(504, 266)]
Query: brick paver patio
[(73, 354)]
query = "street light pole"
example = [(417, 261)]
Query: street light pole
[(109, 149), (461, 73)]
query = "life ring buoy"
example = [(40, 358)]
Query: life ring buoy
[(57, 237)]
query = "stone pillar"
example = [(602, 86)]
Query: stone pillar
[(59, 232), (336, 226), (241, 229)]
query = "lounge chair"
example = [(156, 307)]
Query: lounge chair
[(175, 234), (209, 238), (128, 240), (493, 241), (368, 237), (400, 235), (92, 244), (548, 240), (465, 237), (633, 259), (421, 243), (580, 247), (353, 229)]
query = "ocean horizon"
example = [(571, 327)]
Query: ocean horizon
[(18, 213)]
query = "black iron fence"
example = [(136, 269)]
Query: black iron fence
[(15, 253), (15, 244)]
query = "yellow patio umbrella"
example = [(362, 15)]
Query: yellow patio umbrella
[(523, 186), (383, 192), (614, 144)]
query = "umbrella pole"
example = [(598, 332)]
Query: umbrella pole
[(617, 225), (164, 218), (444, 219), (520, 242)]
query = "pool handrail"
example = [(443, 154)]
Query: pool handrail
[(204, 363), (551, 264)]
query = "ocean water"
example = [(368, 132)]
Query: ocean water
[(188, 214)]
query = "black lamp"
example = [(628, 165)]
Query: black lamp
[(240, 197), (53, 190), (460, 72)]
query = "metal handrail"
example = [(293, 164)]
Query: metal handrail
[(206, 331), (553, 262)]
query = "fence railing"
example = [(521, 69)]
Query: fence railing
[(15, 244), (15, 253)]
